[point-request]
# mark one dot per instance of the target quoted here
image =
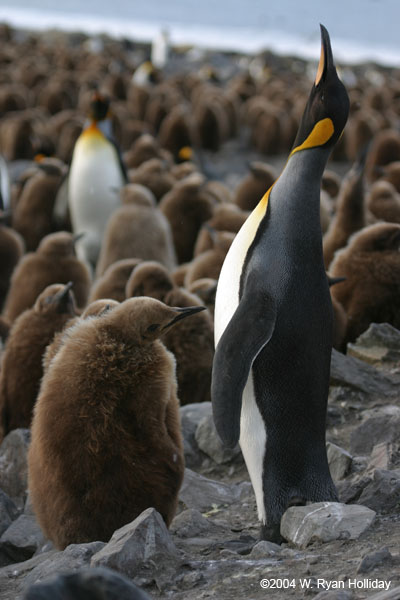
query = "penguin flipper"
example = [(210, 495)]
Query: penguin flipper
[(246, 334)]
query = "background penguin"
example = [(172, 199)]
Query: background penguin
[(252, 187), (384, 149), (187, 206), (154, 174), (11, 250), (209, 263), (53, 262), (22, 360), (192, 343), (106, 440), (33, 214), (138, 229), (371, 265), (383, 201), (273, 322), (145, 148), (226, 217), (205, 288), (113, 282), (350, 213), (95, 178)]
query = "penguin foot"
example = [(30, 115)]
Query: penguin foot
[(271, 533)]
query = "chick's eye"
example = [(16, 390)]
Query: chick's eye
[(153, 327)]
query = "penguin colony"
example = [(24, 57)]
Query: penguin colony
[(177, 220)]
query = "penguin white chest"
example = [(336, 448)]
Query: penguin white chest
[(253, 436)]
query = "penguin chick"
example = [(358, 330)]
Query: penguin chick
[(187, 206), (113, 281), (385, 148), (33, 214), (176, 131), (331, 183), (391, 173), (106, 440), (155, 175), (350, 213), (192, 344), (205, 289), (11, 251), (22, 368), (226, 217), (209, 263), (253, 187), (145, 148), (138, 229), (95, 178), (383, 202), (53, 262), (371, 264)]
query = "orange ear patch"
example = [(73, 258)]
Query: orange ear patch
[(321, 133)]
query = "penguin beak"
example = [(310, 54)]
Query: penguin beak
[(334, 280), (326, 58), (65, 300), (78, 236), (183, 313)]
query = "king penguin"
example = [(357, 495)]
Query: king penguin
[(273, 322), (95, 178)]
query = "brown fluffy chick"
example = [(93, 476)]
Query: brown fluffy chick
[(106, 439), (192, 344), (22, 368), (187, 206), (209, 263), (350, 213), (33, 214), (113, 281), (154, 174), (383, 202), (253, 187), (371, 265), (53, 262), (137, 229), (226, 217), (11, 251)]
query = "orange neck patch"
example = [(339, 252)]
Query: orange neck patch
[(321, 133)]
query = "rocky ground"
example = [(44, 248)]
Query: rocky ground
[(211, 550)]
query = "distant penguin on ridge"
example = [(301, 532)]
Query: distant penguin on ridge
[(273, 322)]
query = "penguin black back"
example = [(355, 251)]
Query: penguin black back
[(273, 321)]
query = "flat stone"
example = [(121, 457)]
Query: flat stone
[(210, 443), (355, 374), (334, 595), (264, 549), (379, 344), (8, 511), (14, 466), (375, 559), (93, 582), (203, 493), (385, 455), (191, 523), (393, 594), (324, 522), (380, 425), (141, 548), (382, 494), (339, 461), (21, 540)]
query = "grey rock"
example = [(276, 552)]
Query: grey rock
[(191, 523), (191, 415), (385, 456), (141, 548), (379, 344), (210, 443), (350, 490), (375, 559), (355, 374), (21, 540), (13, 465), (17, 577), (382, 494), (100, 582), (393, 594), (8, 511), (359, 464), (203, 493), (324, 522), (339, 461), (264, 549), (381, 425)]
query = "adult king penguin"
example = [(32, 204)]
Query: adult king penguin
[(95, 178), (273, 322)]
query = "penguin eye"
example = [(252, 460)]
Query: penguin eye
[(153, 327)]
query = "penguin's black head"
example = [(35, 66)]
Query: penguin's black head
[(327, 107), (99, 107)]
